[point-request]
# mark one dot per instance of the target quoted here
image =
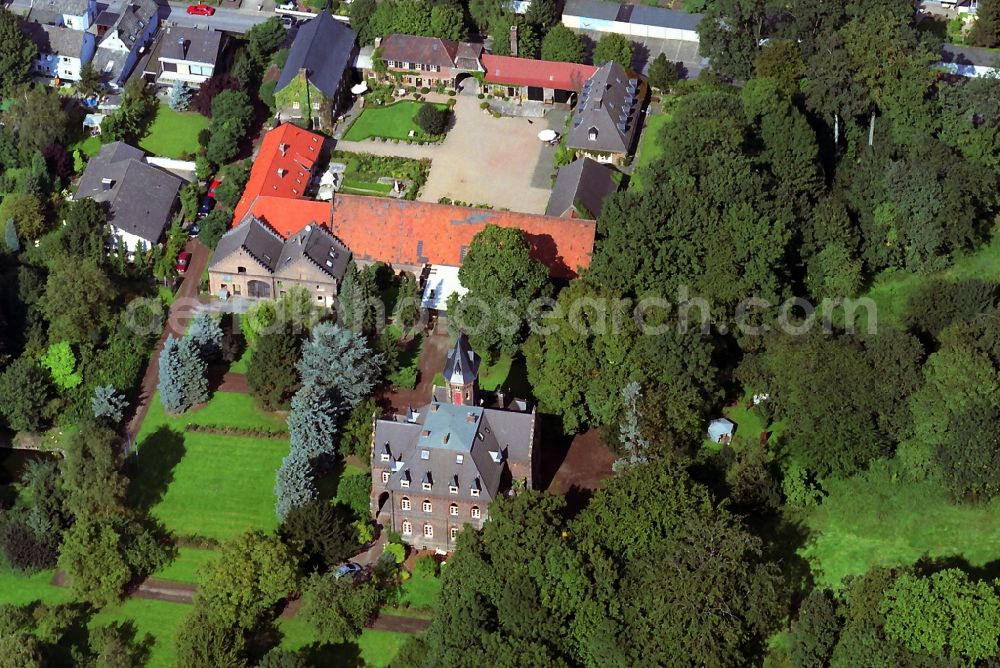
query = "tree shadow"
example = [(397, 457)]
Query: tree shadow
[(152, 470), (640, 56), (341, 655), (556, 446), (988, 572), (328, 482)]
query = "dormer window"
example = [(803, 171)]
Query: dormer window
[(425, 454), (459, 458), (592, 134), (404, 483), (386, 452), (474, 491), (426, 486)]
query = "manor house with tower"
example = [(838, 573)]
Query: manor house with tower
[(438, 467)]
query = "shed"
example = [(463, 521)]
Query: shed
[(721, 430)]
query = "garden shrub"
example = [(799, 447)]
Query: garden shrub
[(426, 567)]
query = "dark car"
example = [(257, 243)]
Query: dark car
[(207, 203), (183, 260), (288, 21)]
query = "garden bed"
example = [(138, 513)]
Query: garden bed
[(364, 171)]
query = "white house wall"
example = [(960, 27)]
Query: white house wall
[(628, 29)]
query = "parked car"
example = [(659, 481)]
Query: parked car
[(183, 260), (201, 10), (206, 206), (288, 21), (350, 567), (194, 230), (212, 186)]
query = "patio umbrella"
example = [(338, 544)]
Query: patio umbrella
[(547, 135), (360, 88)]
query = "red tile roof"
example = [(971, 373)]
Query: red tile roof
[(401, 232), (282, 168), (541, 73)]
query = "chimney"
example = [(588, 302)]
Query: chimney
[(183, 44), (281, 173), (446, 437), (513, 40), (283, 148), (107, 183)]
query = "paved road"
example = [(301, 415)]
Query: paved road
[(229, 20), (177, 319)]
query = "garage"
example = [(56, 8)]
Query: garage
[(536, 93)]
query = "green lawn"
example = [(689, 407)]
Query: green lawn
[(892, 290), (240, 365), (20, 589), (879, 518), (359, 187), (420, 592), (173, 134), (649, 146), (89, 146), (160, 619), (204, 484), (491, 376), (394, 121), (185, 567), (372, 648)]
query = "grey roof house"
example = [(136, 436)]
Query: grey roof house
[(253, 260), (437, 468), (141, 198), (580, 190), (62, 51), (969, 61), (121, 45), (606, 117), (73, 14), (320, 57), (187, 55)]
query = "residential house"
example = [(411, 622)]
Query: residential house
[(540, 80), (316, 76), (429, 61), (62, 51), (283, 169), (141, 198), (606, 118), (580, 190), (436, 469), (969, 61), (960, 6), (631, 20), (253, 260), (122, 44), (187, 55), (72, 14)]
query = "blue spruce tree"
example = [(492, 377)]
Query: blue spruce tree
[(10, 241), (206, 334), (171, 385), (339, 360), (195, 373), (312, 422), (294, 484), (179, 98), (108, 403)]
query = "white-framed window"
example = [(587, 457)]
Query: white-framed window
[(475, 512), (385, 477), (453, 509), (453, 489), (427, 506), (315, 106), (428, 531), (404, 483), (474, 491), (454, 533), (295, 105), (404, 503), (407, 528), (384, 457), (426, 486)]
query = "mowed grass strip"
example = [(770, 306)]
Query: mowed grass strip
[(160, 619), (19, 589), (186, 566), (879, 518), (173, 134), (394, 121), (650, 147), (372, 648), (206, 484)]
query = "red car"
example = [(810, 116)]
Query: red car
[(201, 10), (183, 260), (211, 188)]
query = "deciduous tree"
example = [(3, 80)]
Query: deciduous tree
[(613, 47), (562, 44)]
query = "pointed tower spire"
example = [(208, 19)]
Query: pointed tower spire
[(460, 372)]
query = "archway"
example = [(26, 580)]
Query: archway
[(466, 84), (258, 289)]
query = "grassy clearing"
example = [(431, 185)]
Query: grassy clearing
[(650, 147), (204, 484), (173, 134), (240, 365), (18, 589), (89, 146), (185, 567), (359, 187), (892, 290), (880, 518), (420, 592), (160, 619), (394, 121), (372, 648)]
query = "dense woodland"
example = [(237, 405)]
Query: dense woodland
[(821, 154)]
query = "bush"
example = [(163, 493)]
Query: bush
[(397, 551), (355, 491), (431, 120), (426, 567), (425, 90), (484, 104), (480, 96), (23, 549), (322, 532)]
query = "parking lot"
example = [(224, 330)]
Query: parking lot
[(646, 49)]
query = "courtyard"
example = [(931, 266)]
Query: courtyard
[(498, 162)]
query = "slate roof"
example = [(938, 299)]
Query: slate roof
[(276, 254), (200, 46), (56, 40), (418, 49), (282, 168), (462, 365), (628, 13), (447, 444), (133, 20), (582, 183), (323, 46), (141, 197), (540, 73), (109, 63), (402, 232), (256, 238), (953, 54), (52, 11), (608, 110)]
